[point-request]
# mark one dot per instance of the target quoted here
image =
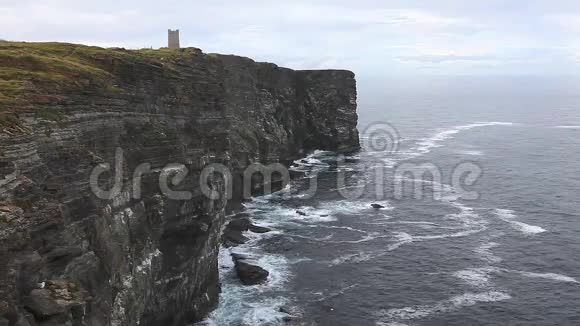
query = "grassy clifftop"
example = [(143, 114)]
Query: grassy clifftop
[(36, 74)]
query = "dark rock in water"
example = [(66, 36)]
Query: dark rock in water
[(249, 272), (233, 232), (259, 229), (301, 213), (240, 224), (296, 174), (232, 238), (284, 310), (240, 256), (242, 214), (377, 206), (291, 314)]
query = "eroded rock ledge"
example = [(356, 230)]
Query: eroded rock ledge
[(67, 257)]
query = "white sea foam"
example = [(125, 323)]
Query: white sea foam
[(354, 207), (239, 302), (485, 253), (313, 215), (313, 158), (265, 313), (257, 304), (322, 226), (299, 260), (400, 238), (452, 304), (312, 163), (466, 216), (348, 187), (480, 277), (476, 277), (370, 236), (366, 238), (527, 228), (548, 276), (425, 145), (351, 258), (206, 322), (382, 220), (509, 216), (277, 266), (313, 239), (325, 212), (460, 234), (412, 222), (336, 293), (505, 213), (470, 152), (270, 214)]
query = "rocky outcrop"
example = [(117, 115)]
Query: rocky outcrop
[(69, 257), (248, 270), (234, 229)]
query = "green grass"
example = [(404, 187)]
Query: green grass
[(37, 76), (165, 54), (50, 115), (8, 120), (44, 73)]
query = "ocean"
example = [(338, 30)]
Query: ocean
[(490, 235)]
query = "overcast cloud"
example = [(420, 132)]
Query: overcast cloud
[(369, 37)]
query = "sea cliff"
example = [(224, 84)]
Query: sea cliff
[(70, 257)]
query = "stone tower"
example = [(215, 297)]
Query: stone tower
[(173, 39)]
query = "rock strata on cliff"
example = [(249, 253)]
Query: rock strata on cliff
[(68, 257)]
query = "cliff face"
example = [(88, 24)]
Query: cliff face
[(67, 256)]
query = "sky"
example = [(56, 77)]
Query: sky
[(372, 38)]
